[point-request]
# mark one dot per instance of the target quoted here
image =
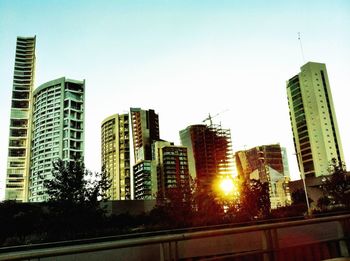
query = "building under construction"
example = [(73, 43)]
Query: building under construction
[(209, 151), (266, 164)]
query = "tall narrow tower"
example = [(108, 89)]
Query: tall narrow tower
[(116, 155), (313, 120), (17, 174), (145, 131)]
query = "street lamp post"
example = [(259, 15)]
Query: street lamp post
[(302, 175)]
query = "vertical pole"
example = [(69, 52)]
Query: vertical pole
[(301, 47), (302, 174)]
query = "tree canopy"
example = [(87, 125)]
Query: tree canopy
[(336, 186), (73, 183)]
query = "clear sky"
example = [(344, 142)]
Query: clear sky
[(184, 59)]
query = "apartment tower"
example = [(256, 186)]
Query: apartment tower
[(313, 120), (17, 174), (173, 179), (145, 131), (116, 155), (57, 130)]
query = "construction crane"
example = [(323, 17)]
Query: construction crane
[(209, 118)]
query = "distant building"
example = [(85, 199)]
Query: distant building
[(265, 163), (115, 152), (209, 152), (172, 169), (145, 130), (285, 162), (18, 161), (145, 180), (57, 130), (312, 115)]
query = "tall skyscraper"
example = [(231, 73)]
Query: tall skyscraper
[(145, 130), (313, 120), (57, 130), (116, 155), (209, 151), (266, 164), (17, 174)]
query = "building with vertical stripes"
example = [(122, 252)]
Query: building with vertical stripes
[(115, 149), (313, 120)]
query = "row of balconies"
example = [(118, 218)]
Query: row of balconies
[(15, 132), (17, 143), (25, 44), (22, 67), (17, 152)]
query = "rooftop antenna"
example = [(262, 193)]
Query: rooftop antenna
[(301, 47)]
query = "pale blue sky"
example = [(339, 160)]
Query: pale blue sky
[(184, 59)]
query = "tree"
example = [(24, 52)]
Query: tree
[(298, 197), (174, 206), (208, 210), (73, 183), (74, 194), (255, 199), (336, 186)]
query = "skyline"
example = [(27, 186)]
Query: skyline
[(161, 55)]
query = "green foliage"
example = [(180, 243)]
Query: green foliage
[(208, 210), (298, 197), (323, 203), (336, 186), (255, 199), (289, 211), (73, 183)]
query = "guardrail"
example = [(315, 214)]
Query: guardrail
[(311, 239)]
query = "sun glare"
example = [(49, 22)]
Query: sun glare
[(227, 186)]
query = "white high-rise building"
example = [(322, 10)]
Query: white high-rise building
[(17, 174), (313, 120), (57, 130)]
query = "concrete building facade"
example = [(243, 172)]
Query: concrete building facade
[(145, 130), (115, 152), (313, 120), (266, 164), (18, 161), (172, 170), (57, 130), (145, 180)]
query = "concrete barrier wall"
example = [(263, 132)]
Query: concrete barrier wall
[(318, 239)]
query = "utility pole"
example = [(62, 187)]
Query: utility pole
[(302, 175)]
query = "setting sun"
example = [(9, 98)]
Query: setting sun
[(227, 186)]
